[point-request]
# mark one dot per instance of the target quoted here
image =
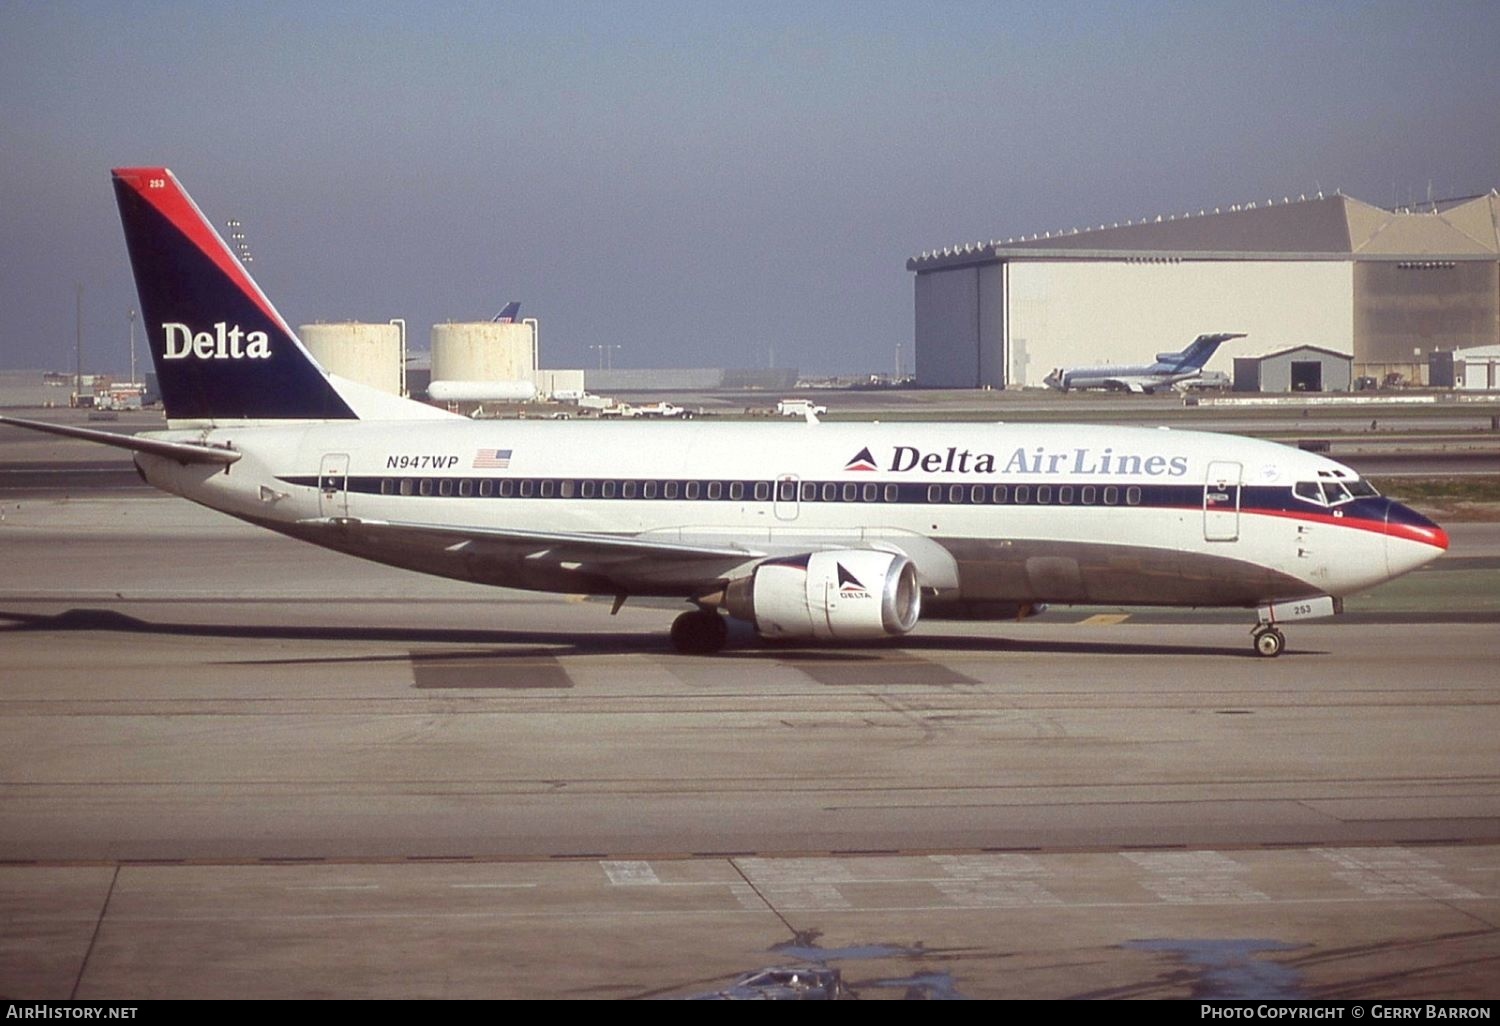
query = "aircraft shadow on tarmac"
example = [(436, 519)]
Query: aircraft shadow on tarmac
[(530, 644), (113, 620)]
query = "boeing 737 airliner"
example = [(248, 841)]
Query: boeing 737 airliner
[(806, 530)]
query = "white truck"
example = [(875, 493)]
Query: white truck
[(658, 410), (799, 408)]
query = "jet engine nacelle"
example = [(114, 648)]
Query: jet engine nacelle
[(848, 594)]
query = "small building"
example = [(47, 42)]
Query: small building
[(1473, 369), (1299, 369)]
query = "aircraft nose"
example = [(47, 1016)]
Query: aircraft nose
[(1410, 539)]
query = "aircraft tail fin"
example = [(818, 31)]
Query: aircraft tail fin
[(221, 351), (1198, 352)]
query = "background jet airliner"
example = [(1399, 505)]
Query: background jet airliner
[(1168, 370), (806, 530)]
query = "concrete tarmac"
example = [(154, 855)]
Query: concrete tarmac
[(235, 765)]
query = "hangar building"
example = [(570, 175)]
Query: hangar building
[(1300, 369), (1385, 287)]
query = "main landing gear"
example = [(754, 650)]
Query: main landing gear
[(699, 632), (1268, 641)]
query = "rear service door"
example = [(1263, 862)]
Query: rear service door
[(333, 485)]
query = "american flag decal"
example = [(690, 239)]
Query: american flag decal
[(492, 459)]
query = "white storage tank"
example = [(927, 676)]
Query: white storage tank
[(481, 391), (483, 351), (367, 353)]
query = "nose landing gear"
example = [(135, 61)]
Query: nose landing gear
[(1268, 641)]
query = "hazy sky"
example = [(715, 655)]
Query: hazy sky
[(693, 182)]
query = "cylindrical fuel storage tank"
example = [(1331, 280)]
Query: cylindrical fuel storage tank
[(483, 351), (367, 353)]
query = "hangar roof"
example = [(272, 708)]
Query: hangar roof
[(1294, 350), (1334, 227)]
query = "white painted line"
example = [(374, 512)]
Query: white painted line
[(795, 871), (808, 897), (982, 867), (997, 893), (1192, 877), (630, 874), (1394, 872)]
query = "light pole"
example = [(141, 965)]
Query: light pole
[(78, 347), (131, 315)]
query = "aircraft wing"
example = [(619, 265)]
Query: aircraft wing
[(567, 544), (1143, 384), (182, 452), (618, 562)]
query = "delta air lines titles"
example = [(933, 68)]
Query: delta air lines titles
[(1037, 461)]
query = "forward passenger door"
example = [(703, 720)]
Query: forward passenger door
[(1221, 502)]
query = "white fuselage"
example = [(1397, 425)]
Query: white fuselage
[(990, 514)]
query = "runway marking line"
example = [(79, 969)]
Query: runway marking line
[(787, 906), (1104, 620), (679, 856)]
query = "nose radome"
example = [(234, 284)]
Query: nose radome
[(1411, 539)]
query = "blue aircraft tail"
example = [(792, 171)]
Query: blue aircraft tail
[(221, 350), (1198, 352)]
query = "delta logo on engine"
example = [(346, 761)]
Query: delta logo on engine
[(223, 343), (849, 585)]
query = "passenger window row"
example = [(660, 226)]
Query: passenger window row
[(761, 491), (574, 488)]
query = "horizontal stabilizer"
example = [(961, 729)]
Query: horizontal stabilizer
[(182, 452)]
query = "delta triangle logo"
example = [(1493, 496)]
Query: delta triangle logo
[(862, 461), (847, 581)]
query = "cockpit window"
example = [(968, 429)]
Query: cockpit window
[(1335, 492), (1309, 491), (1332, 493)]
